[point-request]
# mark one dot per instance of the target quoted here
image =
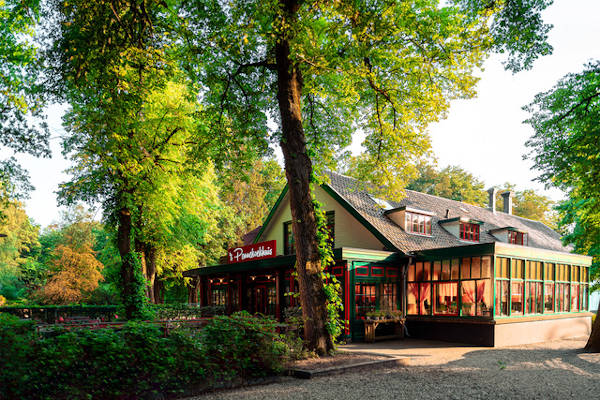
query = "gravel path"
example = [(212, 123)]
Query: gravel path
[(552, 370)]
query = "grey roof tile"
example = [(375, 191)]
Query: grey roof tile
[(539, 235)]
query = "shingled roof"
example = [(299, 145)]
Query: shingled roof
[(356, 195)]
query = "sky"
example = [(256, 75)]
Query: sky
[(484, 135)]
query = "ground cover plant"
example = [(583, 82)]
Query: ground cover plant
[(137, 360)]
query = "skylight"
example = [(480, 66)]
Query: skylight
[(382, 203)]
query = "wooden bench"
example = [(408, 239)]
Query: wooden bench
[(371, 326)]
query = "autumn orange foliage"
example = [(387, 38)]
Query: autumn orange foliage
[(77, 274)]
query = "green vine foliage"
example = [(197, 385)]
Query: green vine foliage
[(135, 306), (332, 287)]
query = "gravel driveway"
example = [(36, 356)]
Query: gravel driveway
[(552, 370)]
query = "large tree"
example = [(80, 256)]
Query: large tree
[(22, 126), (130, 119), (322, 69), (566, 150), (451, 182), (135, 130), (528, 203)]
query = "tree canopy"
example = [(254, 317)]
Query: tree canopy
[(566, 150), (22, 126), (451, 182)]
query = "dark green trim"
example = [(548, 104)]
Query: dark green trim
[(349, 253), (480, 249), (275, 262), (410, 210), (507, 228), (461, 219), (348, 207), (271, 213)]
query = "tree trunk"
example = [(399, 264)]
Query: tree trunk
[(298, 169), (151, 271), (158, 291), (593, 344), (124, 246), (140, 248)]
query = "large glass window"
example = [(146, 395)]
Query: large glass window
[(440, 287)]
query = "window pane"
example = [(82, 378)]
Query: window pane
[(549, 272), (516, 298), (455, 267), (446, 270), (476, 267), (419, 272), (486, 263), (411, 272), (426, 271), (584, 298), (539, 303), (465, 268), (389, 297), (530, 302), (468, 297), (424, 298), (484, 298), (365, 299), (548, 297), (437, 270), (412, 298), (574, 297), (446, 298), (501, 297)]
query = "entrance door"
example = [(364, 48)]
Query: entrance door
[(260, 299)]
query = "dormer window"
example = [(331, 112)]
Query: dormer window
[(516, 237), (412, 220), (418, 223), (509, 234), (469, 231)]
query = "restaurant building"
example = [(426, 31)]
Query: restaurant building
[(458, 272)]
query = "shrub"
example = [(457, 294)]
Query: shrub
[(135, 361), (243, 345)]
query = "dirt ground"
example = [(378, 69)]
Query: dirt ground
[(437, 370)]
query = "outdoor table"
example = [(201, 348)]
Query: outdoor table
[(371, 326)]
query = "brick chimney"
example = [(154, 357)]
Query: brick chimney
[(507, 198), (492, 199)]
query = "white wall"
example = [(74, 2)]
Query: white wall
[(348, 231)]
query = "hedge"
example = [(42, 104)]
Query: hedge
[(50, 314), (136, 360)]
